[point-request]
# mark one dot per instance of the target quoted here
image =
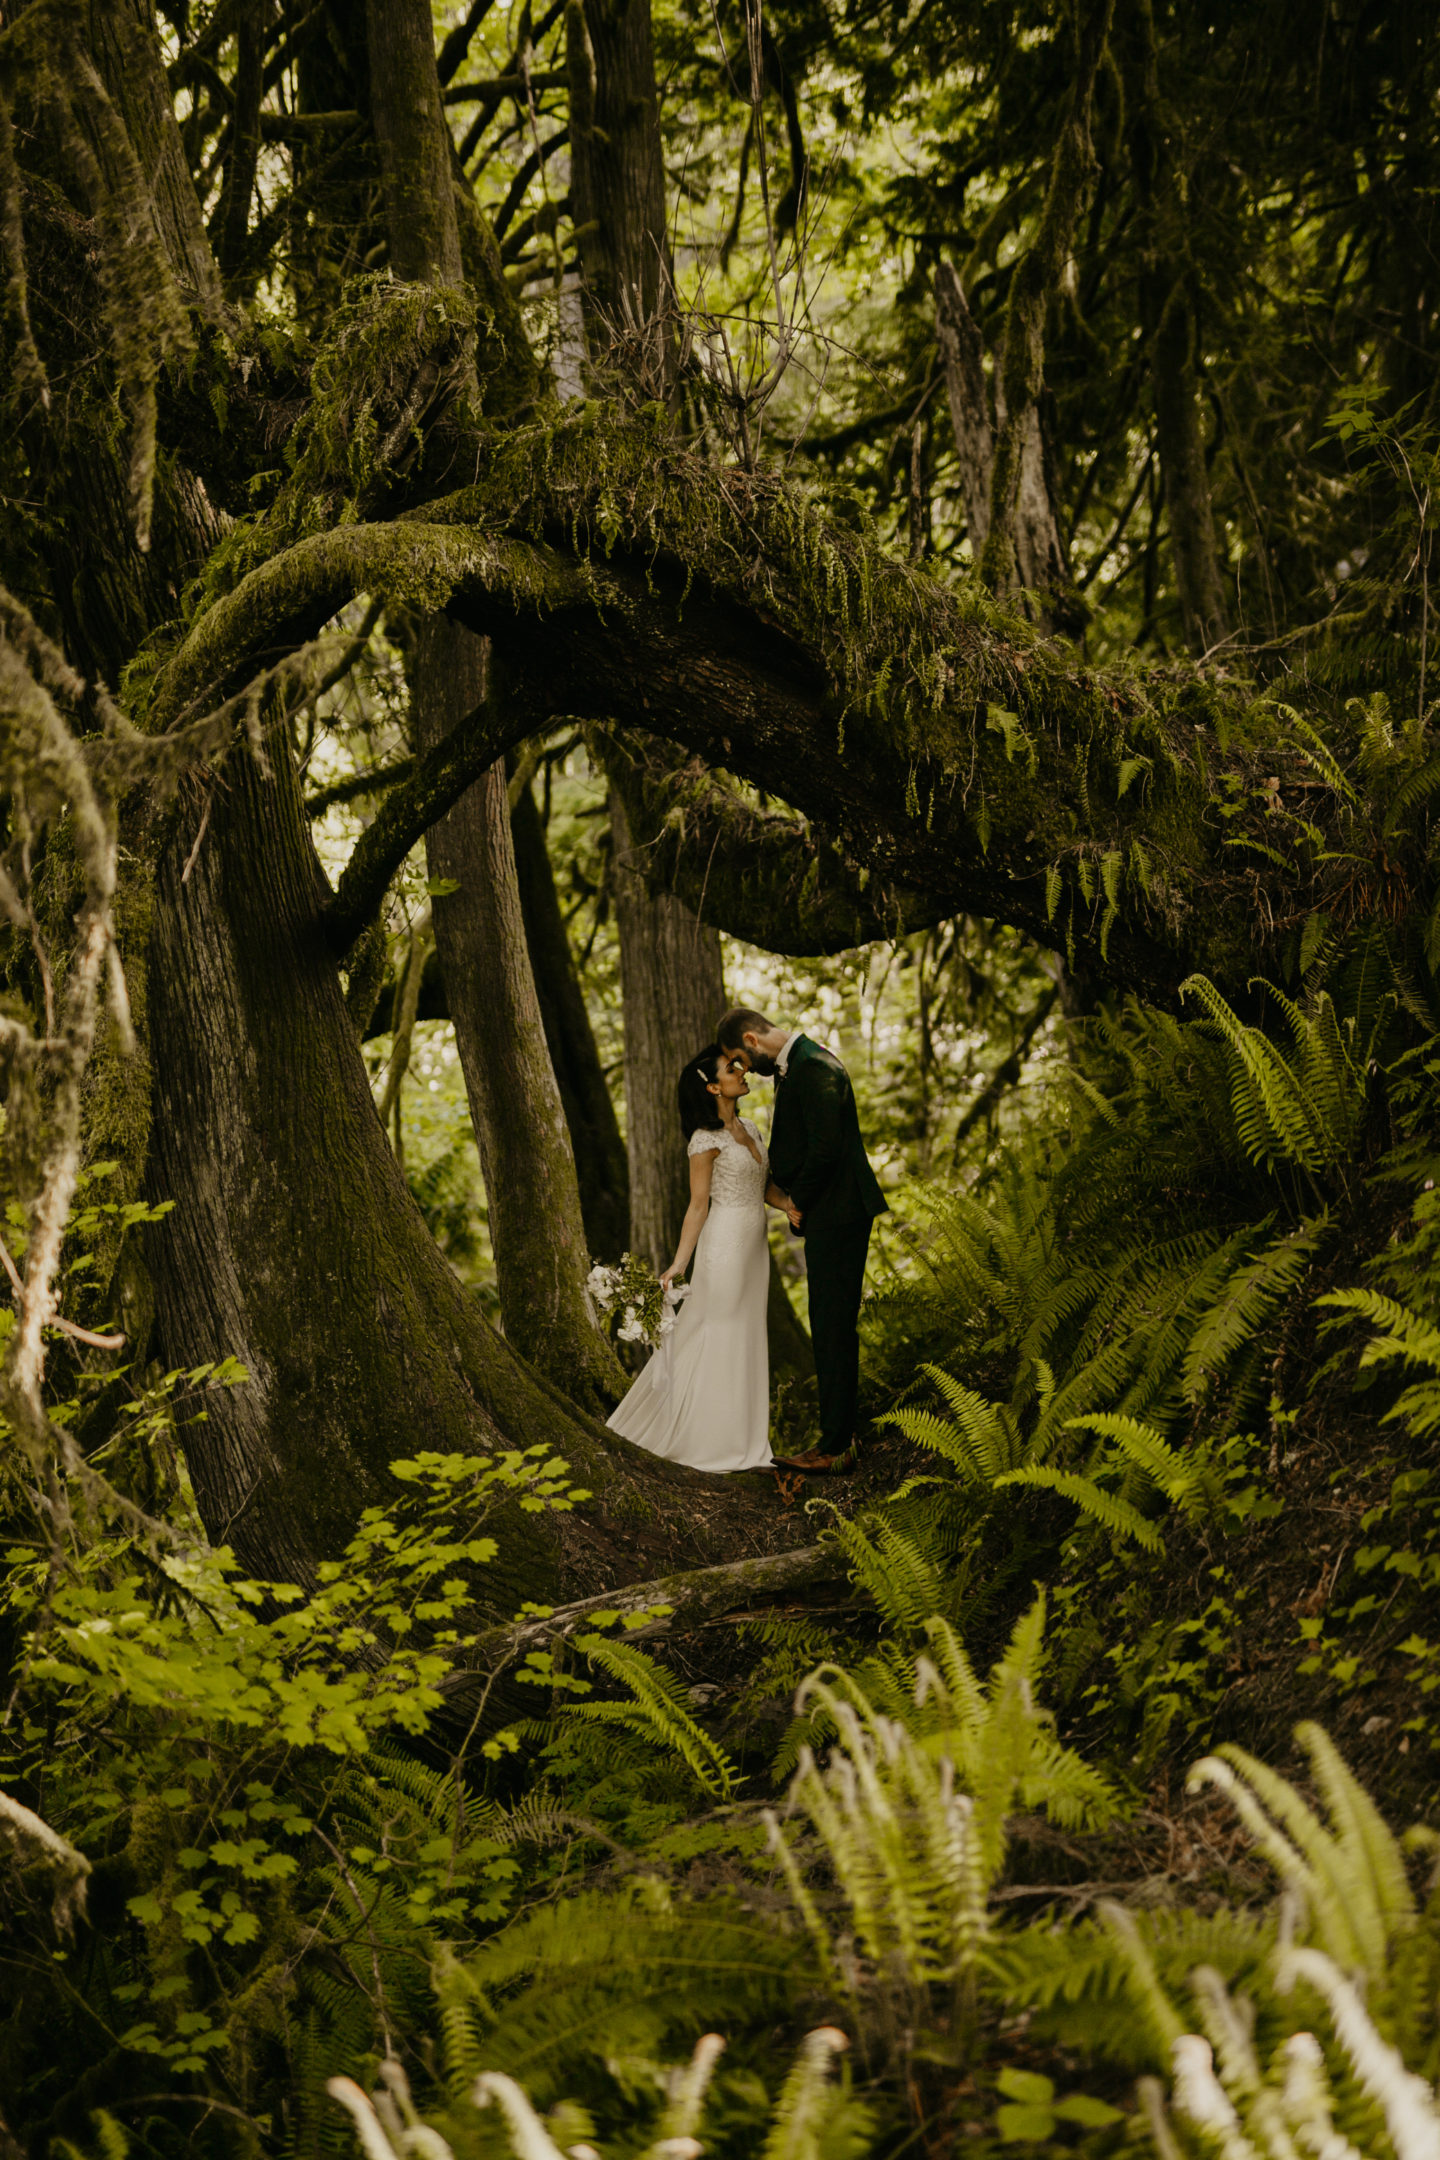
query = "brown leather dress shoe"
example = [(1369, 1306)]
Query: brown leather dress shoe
[(816, 1464)]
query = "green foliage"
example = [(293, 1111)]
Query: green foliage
[(1124, 1256), (1345, 1948), (812, 2119), (656, 1709), (982, 1442), (1401, 1338), (221, 1752), (1306, 1109), (910, 1810)]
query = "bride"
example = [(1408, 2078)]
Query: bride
[(704, 1398)]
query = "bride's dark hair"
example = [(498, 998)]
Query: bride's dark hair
[(699, 1111)]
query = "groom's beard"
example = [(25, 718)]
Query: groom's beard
[(763, 1065)]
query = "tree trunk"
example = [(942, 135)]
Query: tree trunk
[(536, 1226), (1169, 320), (600, 1160), (1042, 561), (127, 54), (415, 152), (1180, 447), (293, 1243), (1022, 540), (962, 354), (674, 989), (617, 181)]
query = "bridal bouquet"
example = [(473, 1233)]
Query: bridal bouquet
[(633, 1290)]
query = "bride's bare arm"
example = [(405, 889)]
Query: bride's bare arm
[(702, 1169), (775, 1198)]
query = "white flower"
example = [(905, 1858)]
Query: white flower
[(631, 1330)]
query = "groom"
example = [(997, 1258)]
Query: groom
[(819, 1159)]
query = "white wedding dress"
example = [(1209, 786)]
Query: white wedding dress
[(704, 1397)]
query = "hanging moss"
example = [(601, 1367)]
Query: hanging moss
[(1010, 753)]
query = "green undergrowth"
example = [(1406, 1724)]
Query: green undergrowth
[(1126, 1361), (303, 1876)]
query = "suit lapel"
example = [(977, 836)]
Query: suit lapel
[(779, 1117)]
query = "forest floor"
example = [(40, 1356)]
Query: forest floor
[(1248, 1629)]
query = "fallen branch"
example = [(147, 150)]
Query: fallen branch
[(705, 1597)]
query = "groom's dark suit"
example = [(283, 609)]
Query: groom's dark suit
[(819, 1159)]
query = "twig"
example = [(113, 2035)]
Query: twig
[(67, 1327)]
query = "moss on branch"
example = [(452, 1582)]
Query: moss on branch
[(760, 874), (944, 750)]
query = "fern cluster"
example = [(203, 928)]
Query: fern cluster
[(1128, 1254)]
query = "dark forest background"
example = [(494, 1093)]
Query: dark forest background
[(521, 525)]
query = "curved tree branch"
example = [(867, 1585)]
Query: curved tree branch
[(764, 876), (944, 749), (439, 780)]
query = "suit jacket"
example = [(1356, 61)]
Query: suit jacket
[(816, 1152)]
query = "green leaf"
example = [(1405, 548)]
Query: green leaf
[(1091, 2114), (1312, 937), (440, 887), (1025, 2125), (1027, 2086)]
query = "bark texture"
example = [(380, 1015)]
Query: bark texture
[(674, 988), (293, 1243), (415, 152), (601, 1167), (1042, 561), (617, 174), (1014, 505), (536, 1227), (126, 50)]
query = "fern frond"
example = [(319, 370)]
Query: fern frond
[(803, 2098), (1181, 1478), (1113, 1514), (1252, 1291), (659, 1708)]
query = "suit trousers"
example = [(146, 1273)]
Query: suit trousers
[(835, 1267)]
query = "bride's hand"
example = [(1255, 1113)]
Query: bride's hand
[(668, 1277)]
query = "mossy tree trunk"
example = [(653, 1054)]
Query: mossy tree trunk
[(126, 50), (1023, 537), (536, 1225), (617, 183), (292, 1241), (977, 408)]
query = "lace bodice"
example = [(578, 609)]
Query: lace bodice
[(737, 1180)]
